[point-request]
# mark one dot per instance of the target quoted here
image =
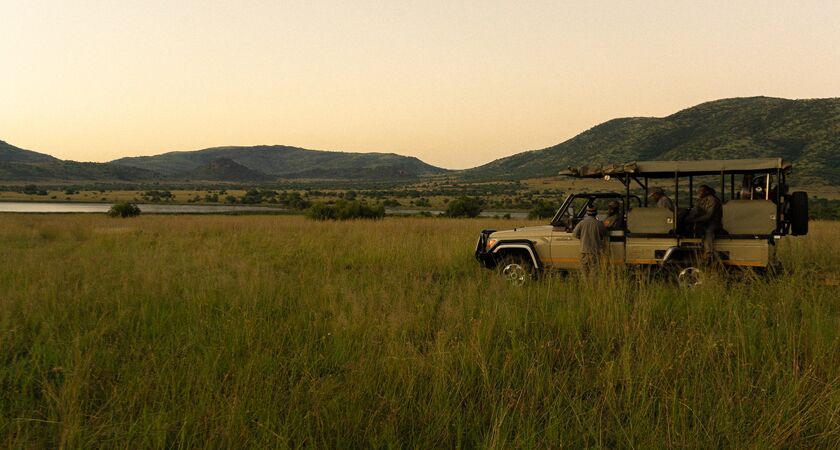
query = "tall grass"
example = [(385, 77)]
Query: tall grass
[(282, 332)]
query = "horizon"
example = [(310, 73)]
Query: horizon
[(409, 155), (454, 85)]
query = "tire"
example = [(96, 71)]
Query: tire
[(691, 277), (516, 270), (798, 214), (775, 269)]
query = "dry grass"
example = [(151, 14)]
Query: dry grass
[(281, 332)]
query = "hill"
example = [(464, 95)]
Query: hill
[(278, 161), (225, 169), (11, 154), (17, 164), (63, 171), (805, 132)]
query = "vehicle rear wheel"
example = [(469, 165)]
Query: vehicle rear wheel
[(690, 277), (516, 270)]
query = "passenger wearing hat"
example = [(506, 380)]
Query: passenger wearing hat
[(708, 215), (614, 220), (590, 231), (662, 200)]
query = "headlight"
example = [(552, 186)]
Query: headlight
[(490, 244)]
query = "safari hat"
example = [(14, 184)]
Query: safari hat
[(657, 190), (591, 210)]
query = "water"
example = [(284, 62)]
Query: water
[(408, 212), (101, 208), (163, 208)]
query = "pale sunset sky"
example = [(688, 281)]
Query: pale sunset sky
[(455, 83)]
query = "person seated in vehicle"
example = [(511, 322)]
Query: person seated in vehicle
[(614, 219), (591, 232), (707, 214), (662, 200)]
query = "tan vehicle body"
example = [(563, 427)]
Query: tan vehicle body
[(654, 236)]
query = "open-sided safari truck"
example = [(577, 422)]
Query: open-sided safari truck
[(757, 211)]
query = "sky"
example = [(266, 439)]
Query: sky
[(454, 83)]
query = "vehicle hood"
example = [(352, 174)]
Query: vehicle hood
[(523, 232)]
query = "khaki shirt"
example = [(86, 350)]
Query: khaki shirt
[(708, 211), (590, 231), (665, 202), (614, 222)]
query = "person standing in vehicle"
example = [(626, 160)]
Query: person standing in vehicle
[(707, 214), (590, 231), (662, 200), (614, 220)]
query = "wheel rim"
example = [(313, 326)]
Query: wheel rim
[(515, 274), (691, 277)]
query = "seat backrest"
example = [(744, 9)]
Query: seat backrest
[(749, 217), (650, 220)]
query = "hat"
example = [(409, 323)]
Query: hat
[(657, 190), (591, 210), (614, 204)]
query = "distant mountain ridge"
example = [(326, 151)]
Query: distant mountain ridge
[(10, 153), (17, 164), (226, 169), (284, 162), (264, 163), (804, 132)]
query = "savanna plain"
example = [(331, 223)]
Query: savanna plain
[(278, 331)]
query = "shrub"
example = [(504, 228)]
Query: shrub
[(345, 210), (542, 210), (464, 207), (124, 209)]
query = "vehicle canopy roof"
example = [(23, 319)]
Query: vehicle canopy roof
[(667, 169)]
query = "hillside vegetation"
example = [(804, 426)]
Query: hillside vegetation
[(804, 132), (222, 164), (279, 161), (17, 164), (278, 332)]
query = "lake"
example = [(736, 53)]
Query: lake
[(69, 207), (163, 208)]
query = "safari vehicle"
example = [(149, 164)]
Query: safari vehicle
[(755, 217)]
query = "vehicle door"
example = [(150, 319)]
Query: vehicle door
[(565, 248)]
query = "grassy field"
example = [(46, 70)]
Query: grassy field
[(280, 332)]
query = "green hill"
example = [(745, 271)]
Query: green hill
[(17, 164), (11, 154), (805, 132), (284, 162), (61, 171), (225, 169)]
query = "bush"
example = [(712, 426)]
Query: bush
[(464, 207), (345, 210), (542, 210), (124, 209)]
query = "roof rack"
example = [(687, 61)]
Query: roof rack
[(667, 169)]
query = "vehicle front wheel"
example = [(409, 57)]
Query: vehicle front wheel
[(516, 270)]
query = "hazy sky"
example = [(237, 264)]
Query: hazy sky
[(455, 83)]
